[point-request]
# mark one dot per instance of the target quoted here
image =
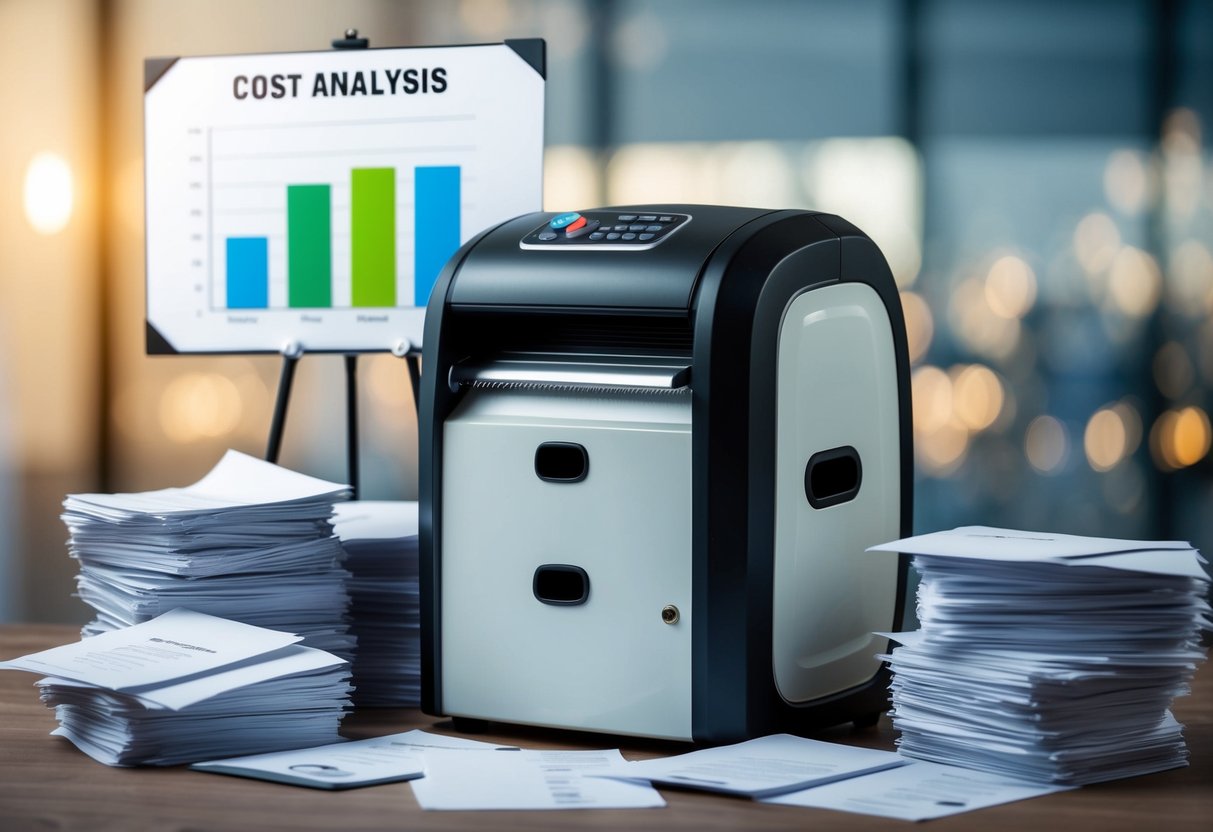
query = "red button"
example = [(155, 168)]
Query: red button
[(575, 225)]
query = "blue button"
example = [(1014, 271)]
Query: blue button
[(561, 220)]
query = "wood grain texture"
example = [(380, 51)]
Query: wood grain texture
[(46, 784)]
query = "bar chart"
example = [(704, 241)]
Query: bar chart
[(374, 234), (323, 221)]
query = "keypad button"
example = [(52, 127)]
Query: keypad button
[(665, 219), (621, 228), (626, 217), (548, 235), (635, 228), (648, 217), (647, 236), (654, 227), (563, 220), (614, 235), (573, 232), (597, 235), (629, 237)]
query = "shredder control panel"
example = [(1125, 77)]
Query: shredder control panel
[(604, 230)]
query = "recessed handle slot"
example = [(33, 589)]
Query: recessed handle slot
[(561, 462), (561, 585), (832, 477)]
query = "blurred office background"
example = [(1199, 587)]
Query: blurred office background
[(1038, 174)]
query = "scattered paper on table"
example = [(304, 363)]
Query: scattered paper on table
[(763, 767), (460, 779), (917, 791), (343, 765)]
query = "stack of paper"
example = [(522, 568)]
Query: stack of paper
[(185, 687), (250, 541), (1048, 657), (381, 541)]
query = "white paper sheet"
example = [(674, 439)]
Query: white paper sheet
[(174, 646), (289, 661), (457, 779), (376, 520), (988, 543), (763, 767), (917, 791), (343, 765)]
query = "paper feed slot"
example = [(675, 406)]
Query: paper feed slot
[(639, 373)]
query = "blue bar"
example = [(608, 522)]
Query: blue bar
[(436, 226), (248, 273)]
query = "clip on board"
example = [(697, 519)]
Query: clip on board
[(306, 202)]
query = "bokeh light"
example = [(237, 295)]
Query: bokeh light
[(1010, 287), (931, 397), (920, 325), (197, 406), (1180, 438), (1096, 242), (1134, 282), (1127, 182), (975, 323), (941, 451), (1046, 444), (1190, 279), (49, 193), (1105, 440), (977, 396)]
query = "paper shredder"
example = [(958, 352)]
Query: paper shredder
[(655, 443)]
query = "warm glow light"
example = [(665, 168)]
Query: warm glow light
[(487, 19), (199, 406), (49, 193), (570, 178), (1046, 444), (1135, 282), (941, 451), (1096, 241), (876, 183), (641, 173), (1126, 181), (1190, 279), (1010, 287), (976, 396), (931, 397), (1105, 439), (1173, 372), (1131, 420), (1180, 438), (755, 173), (387, 381), (1191, 437), (977, 325), (920, 326)]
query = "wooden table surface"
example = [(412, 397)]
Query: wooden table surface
[(46, 784)]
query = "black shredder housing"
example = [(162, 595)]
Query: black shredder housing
[(656, 441)]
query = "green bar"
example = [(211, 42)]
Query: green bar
[(309, 246), (373, 236)]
